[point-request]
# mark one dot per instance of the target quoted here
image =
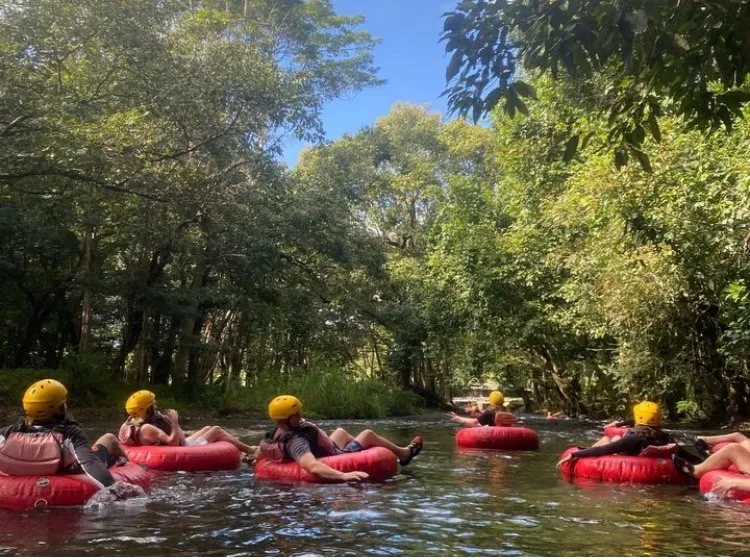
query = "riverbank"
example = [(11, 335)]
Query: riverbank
[(325, 394)]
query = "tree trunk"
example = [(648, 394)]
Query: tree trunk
[(86, 305)]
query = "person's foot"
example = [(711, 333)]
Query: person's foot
[(683, 466), (702, 447), (415, 448)]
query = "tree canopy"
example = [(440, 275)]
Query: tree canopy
[(147, 225), (684, 58)]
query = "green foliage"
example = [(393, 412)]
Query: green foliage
[(144, 215), (328, 393), (678, 57)]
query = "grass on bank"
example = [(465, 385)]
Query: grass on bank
[(325, 393)]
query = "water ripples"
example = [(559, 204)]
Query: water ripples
[(446, 503)]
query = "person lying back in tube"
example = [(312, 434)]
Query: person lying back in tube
[(147, 425), (494, 415), (646, 431), (46, 442), (296, 439), (735, 454)]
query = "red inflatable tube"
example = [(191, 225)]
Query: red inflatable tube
[(656, 468), (378, 462), (26, 492), (501, 438), (709, 479), (612, 431), (217, 456)]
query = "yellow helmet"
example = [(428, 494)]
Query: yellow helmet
[(284, 406), (43, 399), (647, 413), (139, 402), (497, 398)]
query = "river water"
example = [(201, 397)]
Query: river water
[(446, 502)]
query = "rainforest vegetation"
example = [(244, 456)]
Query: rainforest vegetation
[(584, 238)]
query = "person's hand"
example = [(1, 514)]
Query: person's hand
[(355, 476), (172, 415), (124, 490), (723, 487), (566, 459)]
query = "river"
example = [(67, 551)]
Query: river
[(446, 502)]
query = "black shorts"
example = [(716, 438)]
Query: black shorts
[(351, 447), (101, 452), (104, 455)]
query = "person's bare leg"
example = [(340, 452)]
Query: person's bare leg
[(734, 437), (112, 444), (341, 437), (217, 433), (369, 438), (734, 454), (200, 433)]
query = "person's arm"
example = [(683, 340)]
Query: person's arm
[(465, 421), (178, 434), (298, 448), (90, 463), (626, 444), (318, 468), (151, 435)]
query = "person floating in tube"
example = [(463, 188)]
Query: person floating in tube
[(735, 454), (296, 439), (46, 442), (646, 431), (494, 415), (147, 425)]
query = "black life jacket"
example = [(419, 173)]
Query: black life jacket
[(487, 418), (274, 443)]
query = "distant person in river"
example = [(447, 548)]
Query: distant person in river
[(646, 431), (296, 439), (733, 454), (490, 415), (147, 425), (46, 442)]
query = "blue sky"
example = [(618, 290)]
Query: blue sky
[(410, 58)]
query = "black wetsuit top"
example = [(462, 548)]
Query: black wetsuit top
[(487, 418), (634, 442)]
